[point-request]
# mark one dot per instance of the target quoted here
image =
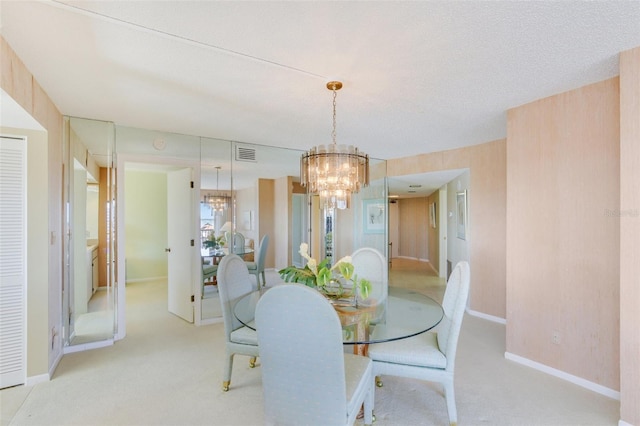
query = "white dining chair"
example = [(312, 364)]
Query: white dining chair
[(257, 268), (306, 377), (370, 264), (234, 282), (430, 356)]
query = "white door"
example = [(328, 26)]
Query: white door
[(179, 248), (12, 261)]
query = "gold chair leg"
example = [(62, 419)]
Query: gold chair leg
[(252, 362), (225, 386), (378, 381)]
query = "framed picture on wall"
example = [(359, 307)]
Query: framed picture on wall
[(461, 205), (373, 216)]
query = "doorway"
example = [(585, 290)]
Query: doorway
[(158, 226)]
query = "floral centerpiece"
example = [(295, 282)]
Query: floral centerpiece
[(335, 282), (213, 242)]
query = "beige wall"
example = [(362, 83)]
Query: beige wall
[(487, 242), (630, 236), (145, 225), (18, 82), (266, 216), (413, 228), (563, 165)]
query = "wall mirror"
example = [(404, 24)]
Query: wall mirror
[(89, 294)]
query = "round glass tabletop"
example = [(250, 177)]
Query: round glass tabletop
[(404, 313)]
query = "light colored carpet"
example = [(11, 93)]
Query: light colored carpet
[(168, 372)]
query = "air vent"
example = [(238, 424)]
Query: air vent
[(245, 154)]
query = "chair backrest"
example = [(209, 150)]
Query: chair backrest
[(370, 264), (233, 282), (454, 304), (301, 357), (262, 251), (235, 241)]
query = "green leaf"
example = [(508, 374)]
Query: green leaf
[(346, 269), (364, 286), (324, 276)]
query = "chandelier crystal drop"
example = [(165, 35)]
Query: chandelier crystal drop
[(218, 201), (334, 172)]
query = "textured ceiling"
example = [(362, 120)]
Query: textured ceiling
[(418, 76)]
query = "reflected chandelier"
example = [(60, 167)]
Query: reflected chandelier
[(218, 201), (334, 172)]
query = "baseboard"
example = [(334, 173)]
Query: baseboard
[(53, 367), (602, 390), (486, 316), (210, 321), (87, 346), (141, 280), (412, 258), (623, 423), (40, 378)]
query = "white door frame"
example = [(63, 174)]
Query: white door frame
[(122, 159)]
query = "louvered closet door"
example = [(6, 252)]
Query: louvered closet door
[(12, 261)]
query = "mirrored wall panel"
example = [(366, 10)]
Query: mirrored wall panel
[(89, 295)]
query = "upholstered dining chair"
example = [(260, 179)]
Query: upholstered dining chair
[(235, 241), (208, 272), (234, 282), (430, 356), (370, 264), (257, 268), (306, 376)]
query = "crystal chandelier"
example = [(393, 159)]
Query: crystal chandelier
[(217, 201), (334, 172)]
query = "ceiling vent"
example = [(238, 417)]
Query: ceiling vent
[(245, 154)]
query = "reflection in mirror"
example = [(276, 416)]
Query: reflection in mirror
[(89, 297), (216, 219), (266, 200), (158, 221), (333, 234)]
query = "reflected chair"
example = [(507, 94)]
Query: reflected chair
[(234, 282), (430, 356), (257, 268), (306, 376), (235, 242), (370, 264), (208, 272)]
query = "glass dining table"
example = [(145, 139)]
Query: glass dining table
[(404, 313), (218, 253)]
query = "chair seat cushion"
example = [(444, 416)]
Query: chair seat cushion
[(421, 351), (357, 378), (209, 269), (251, 266), (244, 335)]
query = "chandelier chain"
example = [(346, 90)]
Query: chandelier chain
[(333, 132)]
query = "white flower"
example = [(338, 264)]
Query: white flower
[(311, 262), (346, 259), (304, 251)]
